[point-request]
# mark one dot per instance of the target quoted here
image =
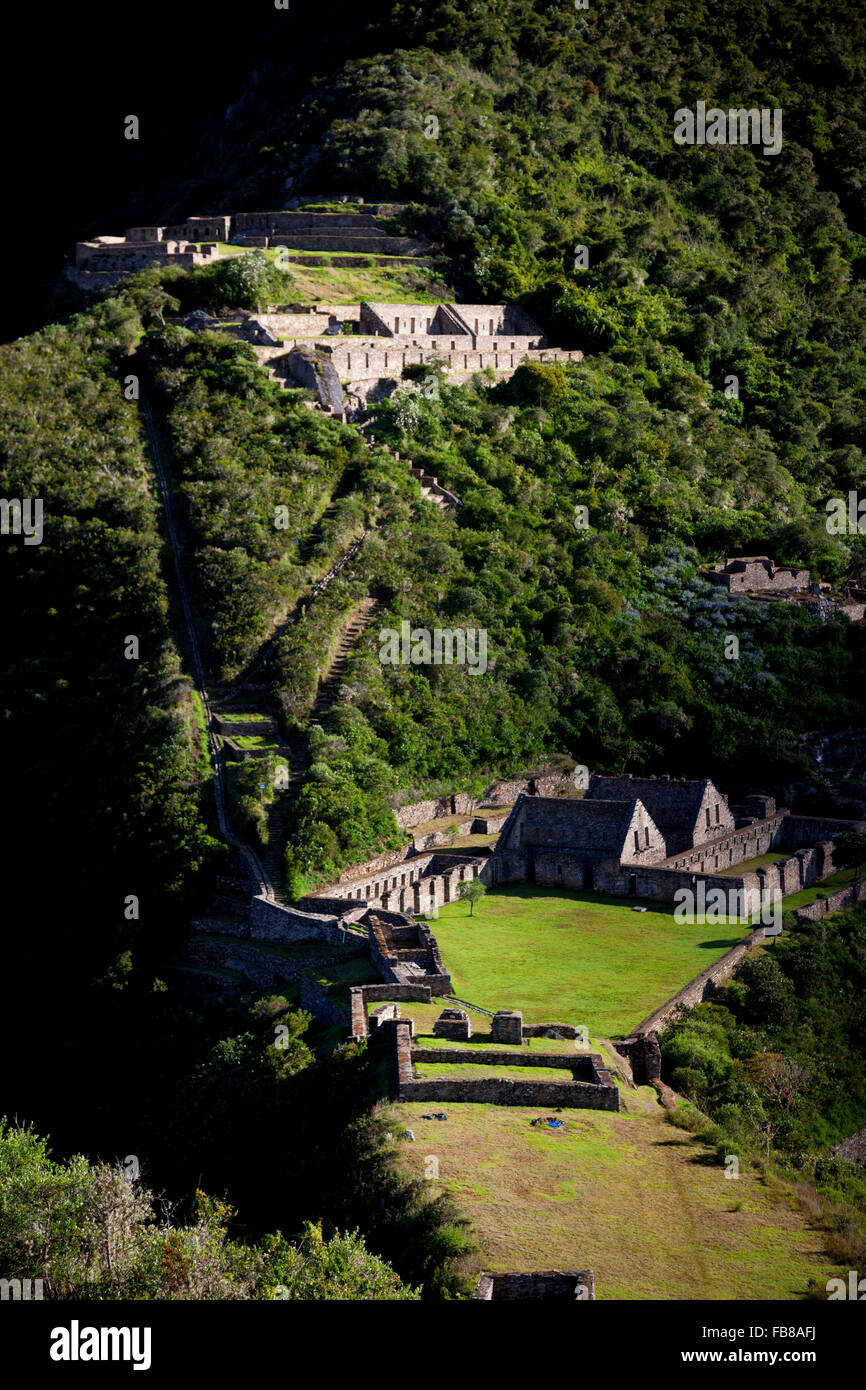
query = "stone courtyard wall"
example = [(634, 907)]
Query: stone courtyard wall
[(497, 1090)]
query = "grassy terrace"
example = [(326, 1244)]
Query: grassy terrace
[(402, 282), (425, 1015), (578, 958), (749, 865), (808, 895), (338, 979), (627, 1195), (473, 1071), (244, 716)]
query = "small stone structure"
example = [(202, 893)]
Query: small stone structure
[(453, 1023), (742, 574), (643, 1053), (594, 1090), (382, 1014), (507, 1026), (361, 995), (552, 1285)]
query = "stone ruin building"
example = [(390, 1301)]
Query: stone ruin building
[(104, 260), (743, 574), (350, 355), (650, 837), (355, 354)]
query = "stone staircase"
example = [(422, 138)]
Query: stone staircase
[(329, 685)]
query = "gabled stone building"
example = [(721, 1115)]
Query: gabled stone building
[(565, 843), (686, 813), (651, 837)]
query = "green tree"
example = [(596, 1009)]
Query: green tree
[(849, 851), (472, 891)]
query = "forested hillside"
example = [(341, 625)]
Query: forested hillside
[(721, 309)]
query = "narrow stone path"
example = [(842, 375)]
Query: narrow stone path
[(258, 877), (464, 1004)]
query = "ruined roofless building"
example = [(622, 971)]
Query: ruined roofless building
[(745, 573)]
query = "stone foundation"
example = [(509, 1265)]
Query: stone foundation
[(552, 1285)]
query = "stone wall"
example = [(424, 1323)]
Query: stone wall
[(837, 901), (552, 1285), (361, 995), (418, 812), (501, 1091), (644, 1057), (799, 831), (270, 922), (703, 986), (582, 1064), (733, 847), (381, 1014), (602, 1095), (267, 971), (550, 1030)]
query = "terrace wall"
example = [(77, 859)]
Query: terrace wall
[(574, 1062), (703, 986), (497, 1090), (552, 1285), (361, 995), (270, 922), (834, 902)]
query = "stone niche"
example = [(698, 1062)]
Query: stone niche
[(454, 1024), (506, 1026)]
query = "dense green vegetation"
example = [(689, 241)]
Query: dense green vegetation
[(776, 1060), (91, 1231), (101, 743), (604, 644)]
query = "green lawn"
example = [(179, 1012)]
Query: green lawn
[(254, 740), (401, 282), (579, 958), (627, 1195), (480, 1071), (243, 716)]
